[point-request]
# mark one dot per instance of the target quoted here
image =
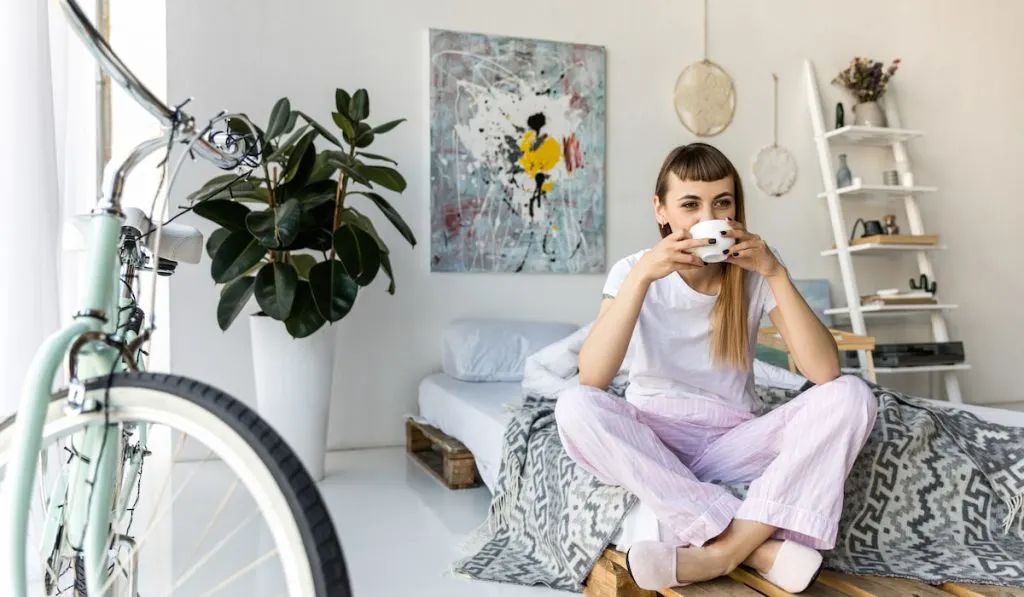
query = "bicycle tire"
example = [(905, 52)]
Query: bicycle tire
[(316, 528)]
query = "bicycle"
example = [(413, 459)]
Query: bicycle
[(101, 427)]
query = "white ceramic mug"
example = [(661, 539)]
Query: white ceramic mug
[(712, 229)]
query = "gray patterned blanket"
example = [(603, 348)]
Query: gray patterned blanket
[(934, 496)]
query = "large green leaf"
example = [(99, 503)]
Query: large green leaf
[(257, 195), (391, 214), (345, 125), (342, 100), (275, 289), (385, 264), (353, 217), (215, 240), (321, 129), (295, 186), (322, 168), (276, 227), (237, 125), (359, 253), (389, 178), (212, 187), (245, 191), (317, 193), (304, 318), (333, 290), (373, 156), (301, 159), (290, 125), (280, 154), (223, 212), (364, 136), (233, 299), (359, 108), (279, 116), (318, 239), (387, 126), (347, 165), (283, 148), (235, 255), (303, 263)]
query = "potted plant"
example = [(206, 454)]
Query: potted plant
[(291, 236), (867, 80)]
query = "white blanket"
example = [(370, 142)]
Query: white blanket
[(556, 367)]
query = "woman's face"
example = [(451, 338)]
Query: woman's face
[(690, 201)]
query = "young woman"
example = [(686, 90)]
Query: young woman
[(688, 415)]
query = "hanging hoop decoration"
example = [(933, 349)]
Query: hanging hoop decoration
[(774, 166), (705, 96)]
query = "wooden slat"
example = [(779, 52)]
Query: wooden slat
[(756, 581), (611, 572), (608, 579), (877, 586), (441, 455), (720, 587), (452, 446), (770, 336), (965, 590)]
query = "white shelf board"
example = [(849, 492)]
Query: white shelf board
[(919, 369), (880, 248), (872, 309), (885, 190), (870, 135)]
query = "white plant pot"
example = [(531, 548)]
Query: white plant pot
[(293, 386)]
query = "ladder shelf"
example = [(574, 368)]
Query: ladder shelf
[(918, 242)]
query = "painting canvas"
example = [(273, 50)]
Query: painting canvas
[(517, 140)]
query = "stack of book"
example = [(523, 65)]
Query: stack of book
[(895, 297)]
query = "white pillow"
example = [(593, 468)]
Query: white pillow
[(480, 349)]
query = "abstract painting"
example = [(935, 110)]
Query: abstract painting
[(517, 146)]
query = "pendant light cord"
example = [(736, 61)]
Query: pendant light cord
[(705, 38), (775, 110)]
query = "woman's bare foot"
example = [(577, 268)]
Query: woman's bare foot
[(742, 542), (764, 556), (696, 564)]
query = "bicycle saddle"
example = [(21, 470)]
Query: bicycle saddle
[(178, 242)]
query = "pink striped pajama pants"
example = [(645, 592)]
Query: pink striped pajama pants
[(666, 450)]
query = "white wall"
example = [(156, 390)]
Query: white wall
[(959, 83)]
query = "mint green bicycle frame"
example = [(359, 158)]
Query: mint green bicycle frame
[(91, 508), (87, 486)]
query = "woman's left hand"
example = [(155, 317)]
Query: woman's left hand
[(751, 252)]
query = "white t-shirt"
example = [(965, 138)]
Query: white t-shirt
[(672, 340)]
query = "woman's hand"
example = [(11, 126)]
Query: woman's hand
[(751, 252), (670, 255)]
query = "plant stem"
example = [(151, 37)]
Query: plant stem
[(271, 183), (339, 198)]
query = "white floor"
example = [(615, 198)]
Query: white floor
[(400, 528)]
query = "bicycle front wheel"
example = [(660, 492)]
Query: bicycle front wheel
[(179, 445)]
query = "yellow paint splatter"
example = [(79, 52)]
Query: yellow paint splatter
[(542, 159)]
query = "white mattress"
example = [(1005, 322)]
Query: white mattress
[(475, 414)]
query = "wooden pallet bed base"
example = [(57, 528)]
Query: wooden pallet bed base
[(609, 578), (443, 456)]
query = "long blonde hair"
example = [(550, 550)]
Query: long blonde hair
[(730, 342)]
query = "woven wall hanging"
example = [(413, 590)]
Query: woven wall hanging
[(705, 96), (774, 166)]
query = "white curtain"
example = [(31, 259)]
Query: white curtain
[(47, 173)]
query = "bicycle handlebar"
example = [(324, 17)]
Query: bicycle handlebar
[(112, 64), (225, 149)]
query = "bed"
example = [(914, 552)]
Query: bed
[(476, 413)]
